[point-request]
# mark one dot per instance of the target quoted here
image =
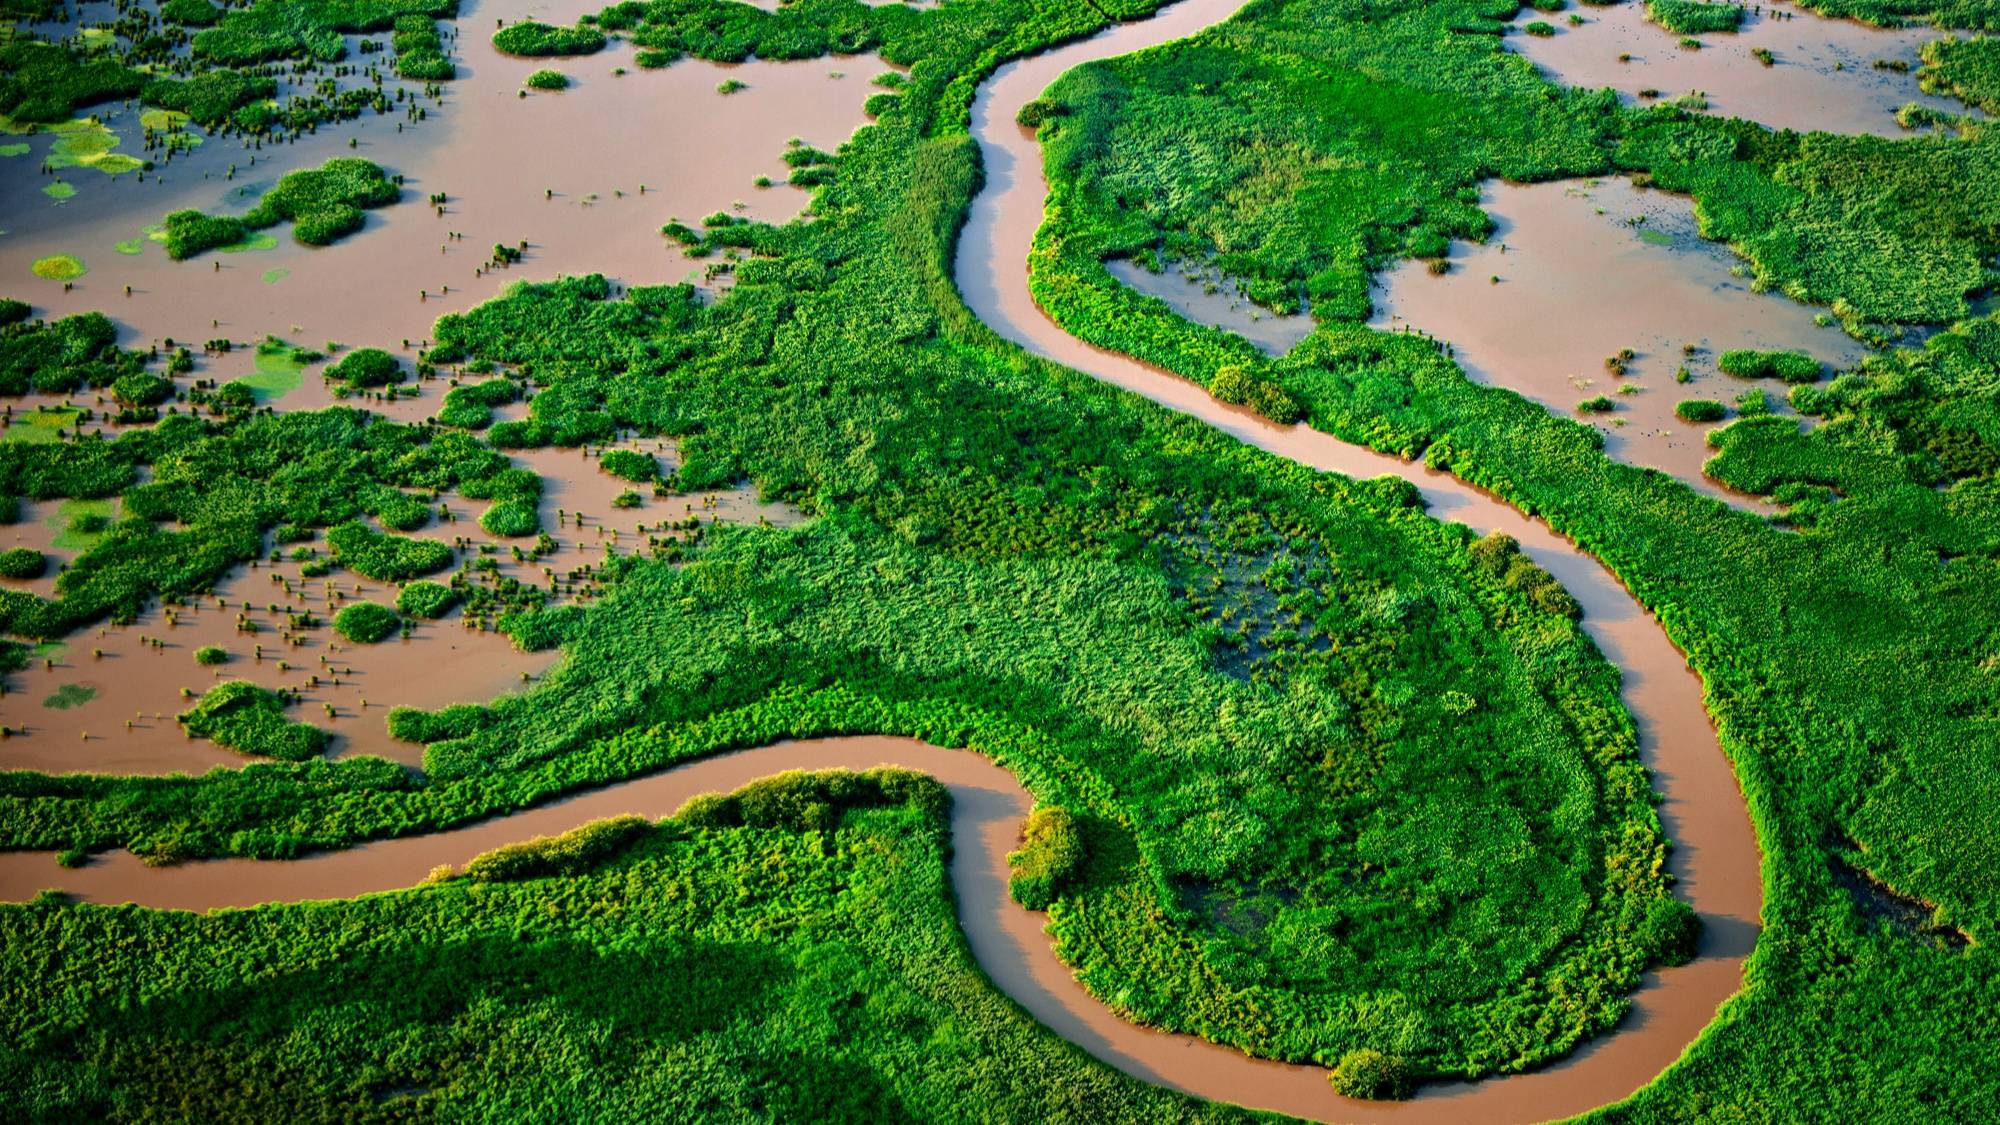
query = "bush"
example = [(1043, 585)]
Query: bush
[(193, 13), (1048, 860), (1693, 17), (1791, 367), (22, 562), (1596, 404), (366, 367), (511, 519), (1368, 1073), (246, 718), (1238, 386), (427, 600), (571, 853), (461, 720), (142, 388), (386, 558), (1700, 410), (1672, 930), (190, 232), (366, 623), (549, 80), (534, 39), (628, 464), (211, 655)]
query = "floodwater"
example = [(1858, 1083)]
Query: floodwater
[(104, 701), (1715, 852), (1216, 302), (1823, 74), (586, 177), (1577, 271)]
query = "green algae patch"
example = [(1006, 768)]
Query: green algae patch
[(257, 240), (60, 190), (274, 276), (60, 267), (18, 148), (131, 247), (88, 144), (68, 696), (279, 368), (1656, 238)]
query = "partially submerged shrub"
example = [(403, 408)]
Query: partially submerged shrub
[(386, 558), (427, 600), (366, 367), (1700, 410), (629, 464), (365, 623), (208, 656), (1791, 367), (22, 562), (241, 716), (549, 80), (534, 39)]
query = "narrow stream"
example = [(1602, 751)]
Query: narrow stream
[(1715, 853)]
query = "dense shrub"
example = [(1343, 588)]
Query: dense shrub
[(1049, 858), (530, 38), (365, 368), (630, 464), (22, 562), (210, 97), (386, 558), (427, 600), (571, 853), (367, 623), (193, 13), (548, 80), (1700, 410), (211, 655), (45, 83), (1695, 17), (1791, 367), (512, 519), (461, 720), (241, 716), (1368, 1073)]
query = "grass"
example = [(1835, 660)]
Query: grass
[(728, 955), (531, 39), (1966, 69)]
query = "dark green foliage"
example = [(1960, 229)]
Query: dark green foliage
[(323, 204), (366, 368), (386, 558), (241, 716), (1542, 29), (427, 600), (298, 29), (367, 623), (1695, 17), (1700, 410), (1791, 367), (420, 50), (457, 721), (1967, 69), (1597, 404), (571, 853), (511, 519), (23, 562), (1049, 859), (13, 312), (62, 356), (548, 80), (1369, 1073), (190, 232), (210, 97), (45, 83), (211, 655), (630, 464), (193, 13), (698, 973), (535, 39), (142, 388), (470, 406)]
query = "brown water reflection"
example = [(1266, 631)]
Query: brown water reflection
[(1822, 74), (1577, 271), (1715, 857)]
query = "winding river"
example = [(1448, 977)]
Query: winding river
[(1715, 855)]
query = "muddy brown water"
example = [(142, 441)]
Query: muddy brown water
[(1569, 278), (1715, 856), (1823, 74), (1217, 302)]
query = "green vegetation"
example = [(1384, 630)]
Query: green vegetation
[(426, 600), (630, 464), (60, 267), (1049, 860), (470, 405), (366, 369), (788, 970), (548, 80), (193, 13), (1368, 1073), (267, 30), (366, 623), (1700, 410), (46, 83), (1846, 665), (533, 39), (1695, 17), (323, 204), (23, 562), (420, 50), (209, 656), (1791, 367), (386, 558), (1966, 69), (241, 716), (63, 356), (212, 97)]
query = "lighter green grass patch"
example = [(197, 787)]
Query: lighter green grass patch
[(60, 190), (40, 426), (277, 373), (19, 148), (70, 537), (258, 240), (274, 276)]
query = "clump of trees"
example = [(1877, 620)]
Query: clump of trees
[(366, 623), (1049, 859)]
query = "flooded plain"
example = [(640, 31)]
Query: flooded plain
[(1822, 72), (1217, 302), (1575, 274), (1715, 854)]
